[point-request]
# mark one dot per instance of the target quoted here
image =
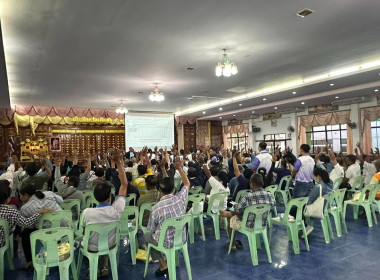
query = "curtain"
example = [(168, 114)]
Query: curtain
[(367, 116), (185, 119), (241, 128)]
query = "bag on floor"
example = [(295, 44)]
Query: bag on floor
[(315, 210)]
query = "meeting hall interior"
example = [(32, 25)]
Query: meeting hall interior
[(189, 139)]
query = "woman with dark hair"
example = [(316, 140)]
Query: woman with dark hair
[(34, 200)]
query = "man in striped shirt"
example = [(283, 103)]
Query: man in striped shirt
[(169, 206)]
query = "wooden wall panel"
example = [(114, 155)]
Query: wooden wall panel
[(189, 135)]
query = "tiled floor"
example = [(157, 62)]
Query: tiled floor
[(353, 256)]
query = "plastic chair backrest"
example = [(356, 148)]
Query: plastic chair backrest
[(177, 224), (4, 226), (177, 184), (220, 197), (258, 210), (74, 206), (91, 202), (62, 218), (296, 202), (272, 189), (358, 182), (50, 238), (339, 195), (337, 182), (364, 191), (103, 231), (241, 193), (144, 207), (328, 198), (195, 190), (196, 199), (130, 197), (286, 179), (129, 211), (372, 195)]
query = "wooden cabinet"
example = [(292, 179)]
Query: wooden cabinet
[(189, 134)]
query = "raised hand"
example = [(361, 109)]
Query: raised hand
[(116, 155), (178, 163)]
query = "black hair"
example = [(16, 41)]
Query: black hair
[(191, 164), (5, 191), (305, 148), (31, 169), (214, 149), (214, 170), (99, 172), (351, 158), (323, 174), (102, 191), (247, 173), (191, 150), (166, 185), (191, 172), (74, 172), (108, 174), (73, 181), (141, 169), (30, 190), (182, 152), (129, 176), (153, 161), (151, 181), (130, 163), (262, 145), (149, 150), (63, 170), (214, 163), (257, 180), (223, 176)]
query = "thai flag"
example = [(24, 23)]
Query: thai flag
[(11, 145)]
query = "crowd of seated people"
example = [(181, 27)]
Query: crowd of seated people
[(27, 192)]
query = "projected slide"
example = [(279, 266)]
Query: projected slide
[(149, 130)]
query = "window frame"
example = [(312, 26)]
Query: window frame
[(326, 131), (241, 140)]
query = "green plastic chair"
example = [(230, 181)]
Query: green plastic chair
[(293, 225), (62, 218), (196, 215), (49, 239), (337, 182), (91, 202), (103, 231), (220, 197), (253, 235), (285, 194), (74, 206), (375, 202), (336, 210), (272, 189), (177, 224), (325, 222), (362, 201), (125, 229), (6, 249), (130, 197), (144, 207), (195, 190), (357, 185), (241, 193), (177, 184), (86, 195)]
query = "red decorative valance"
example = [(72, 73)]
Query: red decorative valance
[(185, 119)]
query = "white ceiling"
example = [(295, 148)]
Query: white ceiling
[(91, 53)]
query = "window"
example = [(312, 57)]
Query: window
[(237, 140), (375, 127), (336, 136), (274, 140)]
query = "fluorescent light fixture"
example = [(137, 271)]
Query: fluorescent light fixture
[(254, 94), (239, 97), (224, 101), (331, 85), (336, 97), (294, 92), (315, 78), (283, 86), (264, 99), (302, 103), (370, 64), (343, 71), (376, 90)]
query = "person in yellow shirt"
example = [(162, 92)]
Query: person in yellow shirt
[(376, 177), (143, 172)]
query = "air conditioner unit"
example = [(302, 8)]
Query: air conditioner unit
[(350, 101)]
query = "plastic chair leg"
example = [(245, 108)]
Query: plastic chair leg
[(290, 237), (231, 239), (93, 268), (266, 244), (10, 258), (253, 249), (294, 232), (147, 260), (176, 258), (344, 223), (226, 225), (325, 229), (170, 257), (305, 236), (374, 214), (39, 272), (187, 261), (2, 267), (215, 219), (63, 272), (113, 261), (368, 214), (191, 230), (355, 209), (329, 226), (258, 242), (80, 259), (132, 243), (74, 270), (337, 222), (202, 227)]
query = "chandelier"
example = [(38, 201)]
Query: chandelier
[(156, 95), (121, 109), (225, 68)]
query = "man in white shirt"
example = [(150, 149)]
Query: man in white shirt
[(369, 168), (338, 171), (353, 170), (263, 159)]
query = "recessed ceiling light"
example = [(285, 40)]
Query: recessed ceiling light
[(220, 117), (234, 115), (336, 97), (240, 104), (302, 103), (204, 112), (376, 90), (253, 112), (275, 108), (220, 108), (294, 92), (264, 99), (331, 85)]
